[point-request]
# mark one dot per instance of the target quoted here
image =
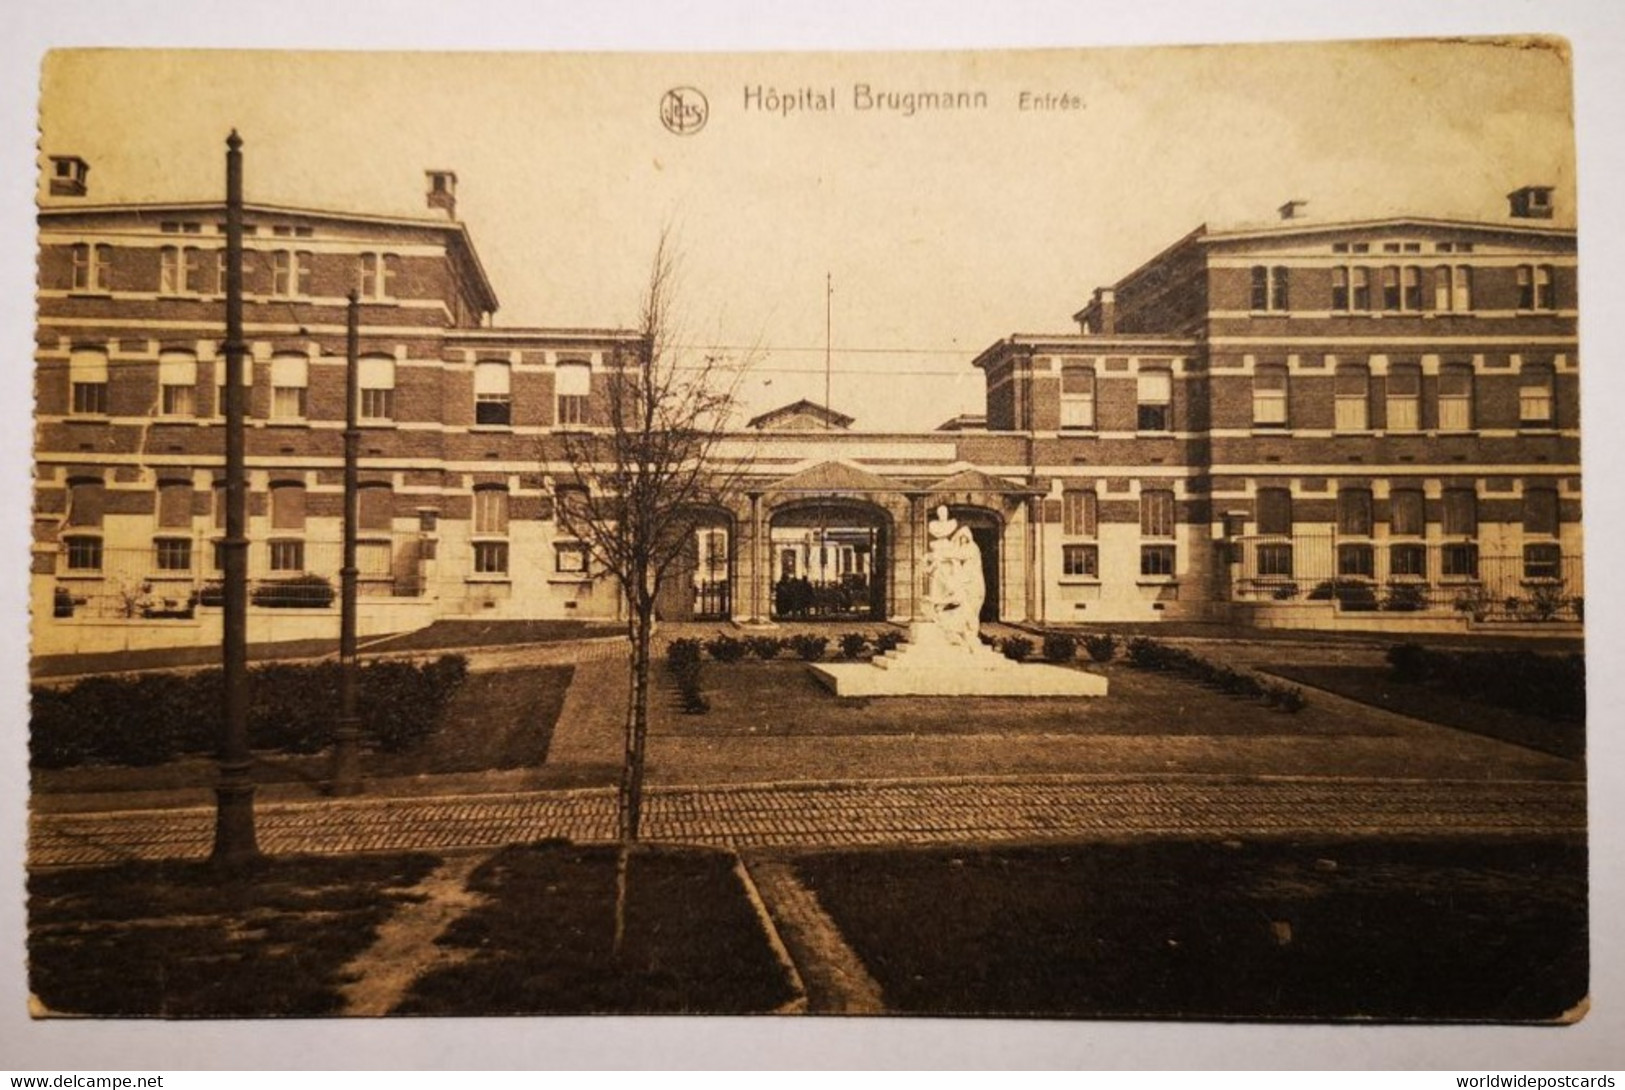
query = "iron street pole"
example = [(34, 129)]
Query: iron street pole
[(346, 773), (234, 841)]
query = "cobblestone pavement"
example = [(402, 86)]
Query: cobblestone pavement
[(976, 810)]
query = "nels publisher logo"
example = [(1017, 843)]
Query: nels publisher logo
[(684, 111)]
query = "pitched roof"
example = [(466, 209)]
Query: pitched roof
[(790, 417), (837, 477)]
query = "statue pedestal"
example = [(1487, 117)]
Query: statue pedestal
[(932, 667)]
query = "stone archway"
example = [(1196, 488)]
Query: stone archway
[(698, 585), (828, 560)]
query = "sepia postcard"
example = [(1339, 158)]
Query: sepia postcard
[(1064, 534)]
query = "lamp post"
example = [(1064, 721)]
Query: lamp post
[(234, 840), (346, 771)]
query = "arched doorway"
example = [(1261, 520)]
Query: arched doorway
[(827, 560), (987, 529), (698, 585)]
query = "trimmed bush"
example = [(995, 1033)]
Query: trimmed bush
[(764, 647), (853, 644), (1350, 594), (809, 647), (1059, 648), (725, 648), (1016, 648), (680, 654), (298, 592), (1406, 597), (156, 718), (888, 640), (1100, 648), (1148, 654)]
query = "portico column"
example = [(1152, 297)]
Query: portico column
[(915, 521), (755, 557)]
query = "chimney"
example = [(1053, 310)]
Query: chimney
[(1105, 312), (1532, 202), (443, 191), (68, 176), (1292, 209)]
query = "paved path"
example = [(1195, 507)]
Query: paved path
[(969, 810)]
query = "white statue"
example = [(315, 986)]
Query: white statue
[(954, 588)]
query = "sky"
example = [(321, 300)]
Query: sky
[(939, 232)]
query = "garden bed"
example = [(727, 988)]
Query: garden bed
[(542, 943), (172, 940), (1486, 929)]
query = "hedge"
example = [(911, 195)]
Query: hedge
[(1548, 686), (1148, 654), (154, 718)]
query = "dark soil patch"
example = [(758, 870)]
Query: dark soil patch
[(1375, 685), (542, 944), (1435, 930), (174, 940), (782, 699), (454, 634)]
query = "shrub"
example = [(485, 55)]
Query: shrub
[(811, 648), (1288, 698), (725, 649), (1350, 594), (1405, 597), (764, 647), (155, 718), (1409, 662), (1474, 601), (1100, 648), (853, 644), (688, 673), (298, 592), (682, 653), (889, 640), (1144, 653), (1059, 648), (1015, 648)]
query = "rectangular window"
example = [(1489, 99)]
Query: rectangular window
[(1459, 560), (572, 383), (1461, 297), (177, 383), (290, 376), (369, 276), (84, 553), (172, 554), (1543, 560), (1157, 513), (1404, 397), (375, 507), (1456, 398), (1540, 511), (1269, 287), (1078, 513), (169, 271), (90, 266), (1390, 287), (1352, 385), (1535, 396), (374, 559), (1412, 283), (1406, 512), (490, 558), (1460, 512), (1356, 561), (1269, 396), (493, 402), (1274, 559), (87, 377), (1354, 512), (375, 376), (490, 511), (1155, 389), (1340, 288), (1077, 396), (1156, 560), (1407, 561), (290, 272), (1360, 293), (1274, 511), (87, 502), (1526, 287), (1544, 299), (570, 558), (1442, 296), (287, 556), (1080, 560)]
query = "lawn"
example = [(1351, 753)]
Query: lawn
[(1374, 685), (443, 635), (169, 940), (1489, 929), (781, 699), (542, 943), (496, 720)]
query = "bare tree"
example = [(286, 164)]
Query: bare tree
[(638, 486)]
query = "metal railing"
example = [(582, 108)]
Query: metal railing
[(1399, 575), (175, 578)]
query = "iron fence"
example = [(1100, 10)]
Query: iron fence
[(1411, 576)]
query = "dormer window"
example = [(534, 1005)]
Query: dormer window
[(68, 173)]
